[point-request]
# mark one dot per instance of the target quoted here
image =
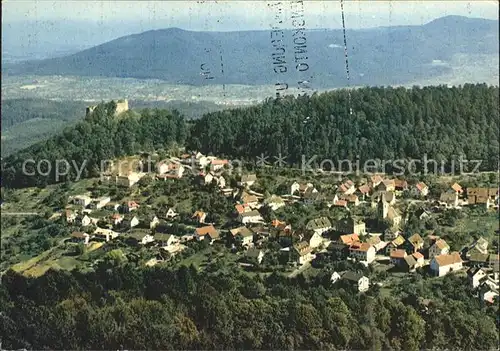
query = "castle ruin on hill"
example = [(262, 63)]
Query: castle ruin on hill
[(121, 106)]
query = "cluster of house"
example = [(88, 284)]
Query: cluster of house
[(483, 274), (169, 168), (456, 196), (301, 246)]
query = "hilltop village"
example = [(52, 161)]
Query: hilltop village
[(371, 229)]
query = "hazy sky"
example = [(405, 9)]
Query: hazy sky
[(234, 15)]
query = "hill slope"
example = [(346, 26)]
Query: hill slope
[(378, 56)]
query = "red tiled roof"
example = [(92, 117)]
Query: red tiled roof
[(376, 179), (398, 254), (421, 186), (358, 246), (240, 208), (457, 187), (441, 244), (341, 203), (364, 189), (418, 255), (220, 162), (446, 260), (208, 230), (349, 238)]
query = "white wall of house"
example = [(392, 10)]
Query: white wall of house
[(315, 240), (368, 256), (443, 270), (436, 251), (363, 284)]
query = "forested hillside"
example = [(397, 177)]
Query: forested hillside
[(97, 138), (28, 121), (386, 123), (122, 307)]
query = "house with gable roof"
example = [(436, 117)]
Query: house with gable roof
[(243, 236), (440, 247), (319, 225), (206, 233), (420, 189), (362, 252), (247, 180), (302, 253), (358, 280), (443, 264), (415, 243)]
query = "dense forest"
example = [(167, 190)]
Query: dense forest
[(28, 121), (386, 123), (119, 306), (99, 137)]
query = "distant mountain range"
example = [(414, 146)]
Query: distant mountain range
[(378, 56)]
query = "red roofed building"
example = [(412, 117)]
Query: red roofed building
[(209, 232), (398, 256), (349, 239), (218, 164), (443, 264), (457, 188), (340, 203), (362, 251)]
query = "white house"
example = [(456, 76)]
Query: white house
[(302, 253), (489, 295), (80, 237), (319, 225), (216, 165), (165, 240), (142, 238), (243, 236), (449, 199), (274, 202), (475, 276), (171, 213), (134, 222), (440, 247), (105, 234), (361, 282), (82, 200), (335, 277), (255, 254), (362, 252), (421, 189), (100, 202), (443, 264), (250, 217), (302, 188), (129, 179), (85, 221), (162, 167), (153, 222)]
